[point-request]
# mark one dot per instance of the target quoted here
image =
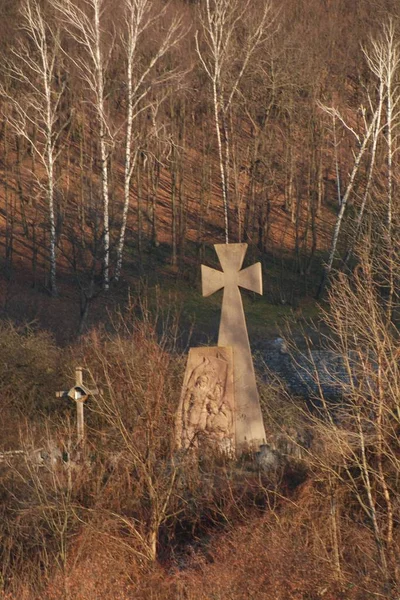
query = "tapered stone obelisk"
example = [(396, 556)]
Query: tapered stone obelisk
[(249, 425)]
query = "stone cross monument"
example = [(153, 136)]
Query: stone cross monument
[(249, 425)]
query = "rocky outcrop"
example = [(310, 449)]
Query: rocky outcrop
[(304, 374)]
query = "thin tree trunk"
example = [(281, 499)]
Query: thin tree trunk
[(349, 189), (182, 208), (334, 528), (248, 227), (155, 180), (337, 169), (370, 173), (50, 176), (139, 209), (9, 233), (82, 211), (99, 66), (173, 169), (320, 185), (18, 178), (221, 160), (371, 504), (129, 161), (390, 185)]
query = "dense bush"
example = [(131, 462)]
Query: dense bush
[(31, 369)]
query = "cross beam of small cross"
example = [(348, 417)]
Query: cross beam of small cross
[(233, 332), (79, 393)]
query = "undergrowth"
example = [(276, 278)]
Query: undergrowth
[(129, 517)]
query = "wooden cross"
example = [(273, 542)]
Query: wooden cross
[(249, 427), (79, 393)]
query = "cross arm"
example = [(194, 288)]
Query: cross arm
[(78, 392), (212, 280), (251, 278)]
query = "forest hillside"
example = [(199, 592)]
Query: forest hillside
[(134, 135)]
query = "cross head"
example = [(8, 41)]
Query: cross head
[(231, 257), (79, 393)]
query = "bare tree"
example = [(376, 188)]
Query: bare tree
[(143, 465), (140, 79), (359, 448), (86, 29), (362, 142), (225, 66), (384, 61), (34, 114)]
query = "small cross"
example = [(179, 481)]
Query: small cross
[(233, 332), (79, 393)]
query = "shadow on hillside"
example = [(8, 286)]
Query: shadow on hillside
[(151, 277)]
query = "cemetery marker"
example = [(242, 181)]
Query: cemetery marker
[(79, 393)]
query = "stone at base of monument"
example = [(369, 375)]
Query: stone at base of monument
[(205, 416)]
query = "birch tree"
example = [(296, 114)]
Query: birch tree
[(85, 26), (34, 114), (375, 63), (362, 142), (225, 68), (140, 80), (383, 59)]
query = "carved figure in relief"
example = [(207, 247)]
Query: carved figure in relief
[(196, 400), (219, 417), (205, 411)]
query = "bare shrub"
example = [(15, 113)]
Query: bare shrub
[(30, 367), (355, 447), (132, 423)]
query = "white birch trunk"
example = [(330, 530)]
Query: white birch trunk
[(375, 138), (383, 59), (133, 32), (221, 160), (38, 107), (85, 29), (373, 158), (138, 19), (345, 199), (392, 61), (219, 20), (50, 167), (337, 170), (390, 69), (99, 65)]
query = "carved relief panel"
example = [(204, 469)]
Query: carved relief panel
[(206, 410)]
